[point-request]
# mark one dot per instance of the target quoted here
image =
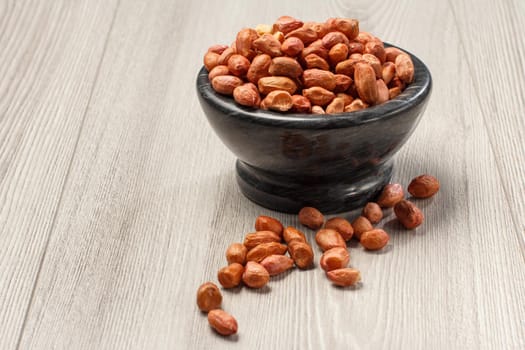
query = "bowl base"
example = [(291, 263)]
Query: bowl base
[(330, 194)]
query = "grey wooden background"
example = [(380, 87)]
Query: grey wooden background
[(117, 200)]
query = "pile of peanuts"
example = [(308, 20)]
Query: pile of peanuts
[(308, 67), (262, 254)]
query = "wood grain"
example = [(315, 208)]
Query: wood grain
[(49, 54), (150, 201)]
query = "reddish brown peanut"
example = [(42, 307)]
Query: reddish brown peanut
[(316, 48), (222, 322), (285, 66), (377, 49), (255, 275), (391, 194), (391, 53), (382, 92), (230, 276), (335, 258), (218, 70), (356, 105), (333, 38), (348, 99), (301, 104), (314, 61), (254, 239), (320, 28), (342, 83), (373, 212), (342, 226), (365, 82), (318, 95), (404, 68), (225, 84), (292, 234), (277, 264), (311, 217), (374, 239), (268, 44), (408, 214), (374, 62), (292, 46), (394, 92), (263, 250), (211, 60), (273, 83), (307, 35), (209, 297), (355, 47), (259, 68), (225, 56), (423, 186), (286, 24), (238, 65), (344, 277), (388, 72), (247, 95), (244, 41), (361, 224), (336, 106), (236, 253), (217, 48), (338, 53), (278, 100), (301, 253), (319, 77), (267, 223), (347, 67), (347, 26), (318, 110), (328, 238)]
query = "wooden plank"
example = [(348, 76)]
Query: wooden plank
[(495, 54), (152, 203), (49, 54)]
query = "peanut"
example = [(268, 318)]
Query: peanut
[(349, 27), (268, 44), (315, 61), (267, 223), (301, 104), (225, 56), (211, 60), (344, 277), (423, 186), (278, 100), (209, 297), (316, 48), (342, 83), (391, 194), (383, 94), (218, 49), (319, 77), (285, 66), (394, 92), (292, 46), (376, 49), (301, 253), (291, 234), (404, 68), (225, 84), (346, 97), (320, 28), (361, 224), (276, 264), (261, 251), (328, 238), (372, 211), (335, 258), (356, 105), (247, 95), (255, 275), (307, 35), (254, 239), (355, 47), (374, 239), (388, 72), (238, 65), (375, 63), (269, 84), (318, 110), (347, 67), (342, 226), (286, 24), (338, 53), (259, 68), (333, 38), (222, 322), (318, 95), (408, 214), (218, 70), (391, 53), (236, 253), (244, 42), (336, 106), (230, 276), (311, 217), (365, 82)]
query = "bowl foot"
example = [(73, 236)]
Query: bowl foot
[(330, 195)]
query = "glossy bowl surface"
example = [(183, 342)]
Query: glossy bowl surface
[(332, 162)]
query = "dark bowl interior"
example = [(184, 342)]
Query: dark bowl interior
[(334, 162)]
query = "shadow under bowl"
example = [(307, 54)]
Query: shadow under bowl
[(333, 162)]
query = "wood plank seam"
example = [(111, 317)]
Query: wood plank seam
[(520, 237), (70, 166)]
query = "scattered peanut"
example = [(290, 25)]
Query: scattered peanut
[(255, 275), (236, 253), (328, 238), (301, 253), (408, 214), (335, 258), (423, 186), (374, 239), (391, 194), (254, 239), (344, 277), (276, 264), (267, 223), (311, 217), (209, 297), (222, 322), (230, 276), (342, 226), (372, 211), (361, 224)]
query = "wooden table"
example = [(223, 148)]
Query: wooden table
[(117, 200)]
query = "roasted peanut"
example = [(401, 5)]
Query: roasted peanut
[(383, 94), (405, 68), (225, 84), (244, 42), (311, 217), (408, 214), (238, 65), (292, 46), (346, 97), (301, 253), (374, 239), (236, 253), (267, 223), (391, 53), (316, 48), (335, 258), (356, 105), (347, 26), (259, 68), (318, 110), (276, 264), (286, 24), (319, 77), (301, 104), (342, 226), (222, 322), (218, 49), (230, 276), (377, 49), (269, 84), (278, 100), (327, 238), (211, 60), (336, 106), (255, 275), (333, 38), (268, 44), (391, 194), (316, 61), (209, 297), (365, 82), (225, 56), (388, 72), (218, 70), (373, 212), (338, 53), (292, 234), (247, 95), (318, 95), (307, 35), (261, 251), (360, 225), (285, 66), (254, 239), (344, 277), (423, 186)]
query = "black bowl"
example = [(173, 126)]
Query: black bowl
[(332, 162)]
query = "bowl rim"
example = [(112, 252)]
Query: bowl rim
[(416, 93)]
